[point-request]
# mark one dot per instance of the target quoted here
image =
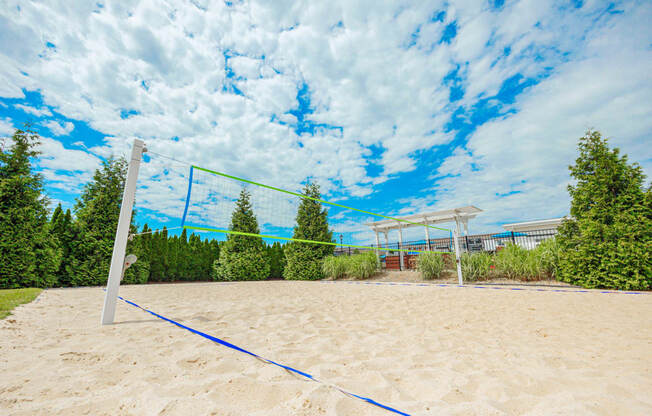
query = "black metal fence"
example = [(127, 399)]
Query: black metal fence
[(472, 243)]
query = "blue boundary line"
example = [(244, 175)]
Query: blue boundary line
[(285, 367), (476, 286), (185, 209)]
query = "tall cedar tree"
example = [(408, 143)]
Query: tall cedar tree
[(304, 260), (29, 252), (276, 260), (159, 256), (97, 211), (608, 241), (62, 228), (242, 257), (139, 271)]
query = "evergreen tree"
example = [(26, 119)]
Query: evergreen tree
[(195, 254), (608, 241), (97, 211), (212, 251), (183, 257), (29, 252), (277, 260), (304, 260), (62, 228), (159, 256), (139, 272), (242, 257)]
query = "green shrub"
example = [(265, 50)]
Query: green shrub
[(547, 258), (362, 266), (334, 267), (476, 266), (430, 265), (242, 257), (515, 262), (607, 242), (245, 265), (357, 266)]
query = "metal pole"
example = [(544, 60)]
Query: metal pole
[(400, 246), (458, 260), (427, 234), (122, 233)]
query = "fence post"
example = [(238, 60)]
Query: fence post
[(458, 259)]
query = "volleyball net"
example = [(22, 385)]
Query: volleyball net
[(212, 197)]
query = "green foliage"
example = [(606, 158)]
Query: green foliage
[(357, 266), (61, 226), (172, 258), (430, 265), (362, 266), (29, 252), (547, 257), (276, 256), (10, 298), (515, 262), (138, 273), (242, 257), (476, 266), (608, 241), (97, 211), (334, 267), (304, 260)]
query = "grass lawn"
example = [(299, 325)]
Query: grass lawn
[(10, 298)]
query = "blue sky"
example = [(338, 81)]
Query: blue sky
[(393, 107)]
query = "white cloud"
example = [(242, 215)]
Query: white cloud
[(63, 168), (374, 70), (6, 127), (59, 129), (527, 154), (38, 112)]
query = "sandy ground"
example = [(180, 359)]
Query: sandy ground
[(421, 349)]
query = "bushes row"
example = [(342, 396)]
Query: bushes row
[(357, 266), (512, 262)]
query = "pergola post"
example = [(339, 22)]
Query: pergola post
[(377, 247), (458, 259), (457, 226), (400, 245), (386, 245)]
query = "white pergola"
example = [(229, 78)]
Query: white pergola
[(460, 216)]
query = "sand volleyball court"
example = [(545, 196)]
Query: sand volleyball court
[(428, 350)]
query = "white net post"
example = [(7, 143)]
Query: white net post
[(122, 233), (458, 259)]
